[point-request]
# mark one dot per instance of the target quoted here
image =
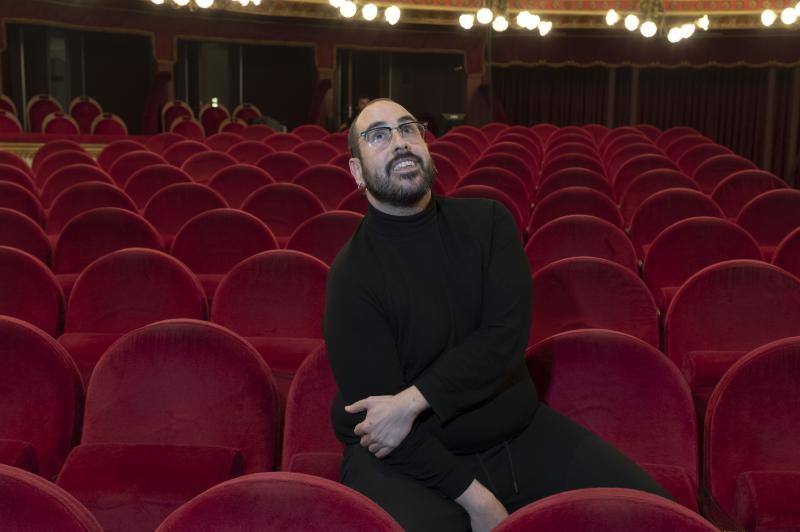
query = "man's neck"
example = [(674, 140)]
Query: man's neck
[(400, 211)]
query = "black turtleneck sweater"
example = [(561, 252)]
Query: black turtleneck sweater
[(440, 300)]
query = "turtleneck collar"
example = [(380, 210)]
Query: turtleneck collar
[(400, 226)]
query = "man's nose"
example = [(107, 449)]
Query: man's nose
[(398, 142)]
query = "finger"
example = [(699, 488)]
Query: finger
[(375, 447), (358, 406), (383, 452), (360, 429), (366, 440)]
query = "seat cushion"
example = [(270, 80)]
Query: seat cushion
[(704, 369), (324, 465), (133, 487), (86, 349), (19, 454), (676, 481), (767, 500)]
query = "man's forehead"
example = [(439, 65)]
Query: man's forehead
[(384, 111)]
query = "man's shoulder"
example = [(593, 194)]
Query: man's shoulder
[(468, 208), (352, 261)]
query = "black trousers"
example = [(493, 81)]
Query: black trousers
[(553, 454)]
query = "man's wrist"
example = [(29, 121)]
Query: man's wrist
[(414, 400)]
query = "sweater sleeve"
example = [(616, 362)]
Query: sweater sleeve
[(475, 370), (365, 362)]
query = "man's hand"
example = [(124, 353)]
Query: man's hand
[(389, 419), (485, 511)]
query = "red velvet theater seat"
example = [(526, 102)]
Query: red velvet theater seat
[(67, 176), (246, 111), (502, 180), (681, 145), (574, 200), (275, 299), (316, 151), (724, 311), (492, 129), (109, 124), (323, 235), (605, 510), (172, 409), (579, 235), (570, 131), (343, 161), (189, 128), (123, 291), (474, 133), (215, 241), (145, 182), (283, 141), (201, 167), (223, 141), (577, 145), (521, 147), (84, 197), (128, 164), (236, 182), (39, 106), (114, 150), (736, 190), (9, 123), (282, 166), (177, 153), (84, 110), (465, 142), (697, 155), (283, 207), (309, 443), (635, 167), (587, 292), (357, 201), (512, 164), (446, 173), (12, 174), (249, 151), (162, 141), (482, 191), (619, 139), (787, 254), (60, 124), (771, 216), (712, 171), (597, 131), (338, 141), (329, 183), (647, 184), (629, 394), (48, 149), (280, 501), (752, 438), (687, 247), (212, 116), (574, 177), (454, 153), (42, 399), (672, 134), (309, 132), (20, 199), (174, 205), (622, 156), (173, 110), (59, 160), (256, 132), (28, 502), (571, 161), (29, 291), (20, 232), (528, 132)]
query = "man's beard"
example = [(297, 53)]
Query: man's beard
[(391, 191)]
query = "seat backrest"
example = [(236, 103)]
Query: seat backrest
[(521, 146), (201, 167), (38, 108), (215, 241), (329, 183), (177, 153), (310, 132), (59, 123), (130, 288), (474, 133), (570, 148), (98, 232), (277, 293), (20, 232), (280, 501), (501, 179), (571, 161), (223, 141), (127, 165), (109, 124), (29, 291), (283, 166), (697, 155), (629, 152), (597, 131), (679, 146), (735, 305), (670, 135), (42, 394), (453, 152), (618, 140), (736, 190), (446, 173), (114, 150), (185, 382), (62, 179), (753, 404), (162, 141), (84, 197), (249, 151), (174, 205), (569, 135), (787, 254), (246, 111), (588, 292), (283, 141), (485, 192), (315, 151), (236, 182), (579, 235), (256, 132), (212, 116), (29, 502), (18, 198), (574, 200), (59, 160), (338, 141), (323, 235), (651, 131), (574, 177), (12, 174), (635, 380), (145, 182), (635, 167), (709, 174), (648, 184), (772, 215), (173, 110), (188, 127), (510, 163), (465, 142), (283, 207), (492, 129), (48, 149)]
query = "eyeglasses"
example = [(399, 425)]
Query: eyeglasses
[(379, 137)]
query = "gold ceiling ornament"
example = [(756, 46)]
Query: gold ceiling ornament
[(650, 20)]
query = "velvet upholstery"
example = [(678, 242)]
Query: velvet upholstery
[(174, 205), (38, 108), (605, 510), (579, 235), (283, 207), (681, 145), (618, 139), (588, 292), (493, 129), (787, 254), (518, 146), (257, 132), (114, 150), (109, 124), (629, 394), (12, 159), (752, 438), (454, 153), (101, 309), (310, 132), (725, 310), (574, 200), (446, 173), (84, 110), (474, 133), (328, 183), (17, 198), (29, 291), (201, 167), (598, 132), (323, 235), (211, 117), (569, 132), (647, 184), (511, 163), (712, 171), (189, 128), (48, 149), (501, 179), (770, 217), (20, 232), (28, 502), (693, 157), (249, 151), (316, 151), (571, 161), (145, 182), (128, 164), (12, 174), (42, 396), (672, 134), (663, 209), (574, 177), (236, 182), (357, 201), (651, 131), (283, 166), (65, 177), (283, 141), (277, 296), (172, 110), (627, 153), (280, 501), (160, 142), (309, 443), (687, 247), (83, 197), (466, 143), (59, 160), (570, 146), (736, 190), (482, 191), (635, 167), (223, 141), (177, 153)]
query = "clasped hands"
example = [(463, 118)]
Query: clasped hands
[(389, 419)]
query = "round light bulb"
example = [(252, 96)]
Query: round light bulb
[(336, 3), (522, 19), (500, 24), (687, 30), (797, 9), (533, 22), (484, 15), (674, 35), (204, 4), (789, 16), (612, 17), (348, 9), (466, 21), (648, 28), (631, 22), (181, 3), (369, 12), (768, 17), (703, 23), (392, 15), (544, 27), (157, 2)]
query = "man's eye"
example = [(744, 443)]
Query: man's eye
[(378, 135)]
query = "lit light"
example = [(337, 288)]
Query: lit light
[(392, 15), (631, 22), (789, 16), (348, 9), (157, 2), (533, 22), (204, 4), (674, 35), (612, 17), (522, 19), (256, 2), (500, 24), (687, 30), (648, 28), (703, 23), (466, 21), (336, 3), (544, 27), (214, 102), (768, 17), (797, 9), (181, 3), (484, 15), (369, 12)]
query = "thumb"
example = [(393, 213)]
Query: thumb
[(358, 406)]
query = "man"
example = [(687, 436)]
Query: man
[(426, 323)]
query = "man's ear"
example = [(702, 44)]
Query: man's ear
[(355, 170)]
